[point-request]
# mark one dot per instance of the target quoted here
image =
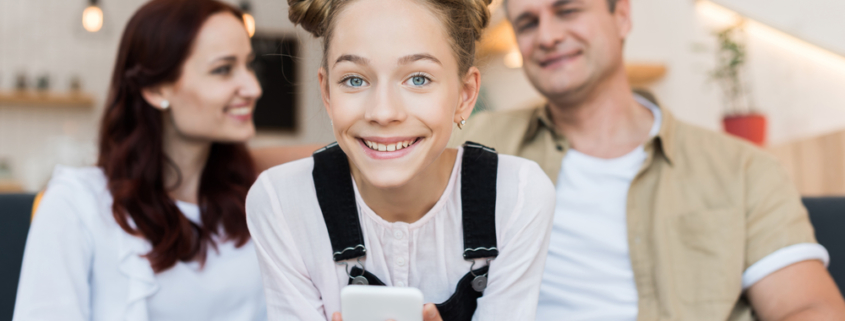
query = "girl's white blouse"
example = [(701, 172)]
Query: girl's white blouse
[(302, 282), (80, 265)]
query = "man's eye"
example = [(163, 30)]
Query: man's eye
[(222, 70), (566, 12), (354, 82), (525, 26)]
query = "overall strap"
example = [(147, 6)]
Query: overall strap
[(333, 183), (478, 198)]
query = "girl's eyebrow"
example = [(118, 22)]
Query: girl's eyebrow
[(417, 57), (402, 61), (352, 58)]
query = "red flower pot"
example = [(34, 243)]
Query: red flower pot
[(751, 127)]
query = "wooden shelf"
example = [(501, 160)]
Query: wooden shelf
[(644, 73), (7, 186), (31, 98)]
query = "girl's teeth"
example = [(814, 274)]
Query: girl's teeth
[(388, 147)]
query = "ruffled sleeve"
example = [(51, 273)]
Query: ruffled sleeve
[(142, 281)]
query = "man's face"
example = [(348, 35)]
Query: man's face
[(569, 46)]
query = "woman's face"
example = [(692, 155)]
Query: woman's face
[(392, 89), (215, 95)]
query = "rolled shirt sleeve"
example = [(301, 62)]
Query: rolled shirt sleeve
[(779, 232)]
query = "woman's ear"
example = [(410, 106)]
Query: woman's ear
[(323, 77), (156, 97), (469, 94)]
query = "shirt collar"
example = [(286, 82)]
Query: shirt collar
[(540, 119), (661, 139), (664, 141)]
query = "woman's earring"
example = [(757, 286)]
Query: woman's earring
[(462, 123), (165, 104)]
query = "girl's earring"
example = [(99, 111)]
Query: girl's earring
[(165, 104), (462, 123)]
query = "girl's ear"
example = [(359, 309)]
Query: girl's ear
[(323, 77), (469, 94)]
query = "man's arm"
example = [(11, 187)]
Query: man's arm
[(801, 291)]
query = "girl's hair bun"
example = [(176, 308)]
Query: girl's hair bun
[(479, 15), (310, 14)]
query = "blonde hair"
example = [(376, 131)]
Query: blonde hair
[(464, 22)]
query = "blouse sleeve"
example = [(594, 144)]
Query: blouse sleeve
[(288, 288), (54, 281), (515, 275)]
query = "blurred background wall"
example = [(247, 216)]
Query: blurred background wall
[(795, 75)]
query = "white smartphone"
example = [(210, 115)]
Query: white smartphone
[(380, 303)]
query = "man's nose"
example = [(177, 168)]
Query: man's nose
[(549, 32)]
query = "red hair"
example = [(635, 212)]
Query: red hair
[(157, 41)]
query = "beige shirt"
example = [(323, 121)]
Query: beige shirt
[(703, 208)]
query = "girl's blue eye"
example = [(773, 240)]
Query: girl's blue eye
[(355, 82), (419, 80)]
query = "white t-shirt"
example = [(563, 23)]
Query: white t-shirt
[(588, 273), (302, 281), (79, 265)]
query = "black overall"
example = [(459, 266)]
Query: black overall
[(333, 183)]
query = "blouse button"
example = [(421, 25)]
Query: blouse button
[(400, 261), (398, 234), (400, 284)]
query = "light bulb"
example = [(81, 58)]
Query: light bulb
[(513, 59), (249, 22), (92, 19)]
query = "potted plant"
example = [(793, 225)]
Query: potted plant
[(740, 119)]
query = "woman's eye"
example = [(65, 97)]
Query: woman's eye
[(419, 80), (354, 82), (222, 70)]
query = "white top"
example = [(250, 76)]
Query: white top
[(588, 272), (302, 282), (80, 265)]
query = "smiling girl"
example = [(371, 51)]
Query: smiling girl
[(389, 203)]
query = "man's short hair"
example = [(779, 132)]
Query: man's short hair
[(611, 4)]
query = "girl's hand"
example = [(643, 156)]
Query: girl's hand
[(430, 313)]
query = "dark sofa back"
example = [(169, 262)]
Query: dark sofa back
[(828, 217), (15, 211)]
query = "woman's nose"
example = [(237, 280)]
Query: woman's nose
[(250, 87)]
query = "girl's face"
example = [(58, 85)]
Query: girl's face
[(215, 94), (392, 88)]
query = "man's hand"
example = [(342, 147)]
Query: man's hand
[(430, 313), (801, 291)]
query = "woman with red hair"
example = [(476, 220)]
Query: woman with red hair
[(157, 230)]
